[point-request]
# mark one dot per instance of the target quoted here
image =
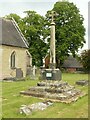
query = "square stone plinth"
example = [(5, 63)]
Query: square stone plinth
[(51, 74)]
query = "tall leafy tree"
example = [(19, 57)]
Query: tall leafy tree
[(70, 30), (33, 28)]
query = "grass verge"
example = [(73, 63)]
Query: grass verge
[(12, 100)]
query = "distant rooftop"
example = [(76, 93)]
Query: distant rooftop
[(72, 62)]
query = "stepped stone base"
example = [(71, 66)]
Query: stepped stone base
[(55, 91)]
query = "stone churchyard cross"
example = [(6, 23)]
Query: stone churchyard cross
[(52, 73), (52, 41)]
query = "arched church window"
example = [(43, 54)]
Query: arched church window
[(13, 57)]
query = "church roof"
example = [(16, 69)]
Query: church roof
[(11, 34), (72, 62)]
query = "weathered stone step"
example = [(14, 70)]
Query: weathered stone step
[(63, 92), (63, 97), (51, 89), (53, 84), (35, 94)]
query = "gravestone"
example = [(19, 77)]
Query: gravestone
[(19, 73), (28, 109), (82, 82), (34, 70), (33, 73)]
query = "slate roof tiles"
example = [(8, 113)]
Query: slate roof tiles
[(11, 34)]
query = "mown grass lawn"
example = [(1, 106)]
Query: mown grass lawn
[(12, 100)]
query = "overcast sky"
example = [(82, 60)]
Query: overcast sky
[(41, 7)]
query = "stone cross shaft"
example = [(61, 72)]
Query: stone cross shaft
[(52, 43)]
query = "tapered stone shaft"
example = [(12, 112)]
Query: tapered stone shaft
[(52, 46)]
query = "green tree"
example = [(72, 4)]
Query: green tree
[(85, 60), (69, 29), (33, 28)]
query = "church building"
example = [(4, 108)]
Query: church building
[(15, 59)]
